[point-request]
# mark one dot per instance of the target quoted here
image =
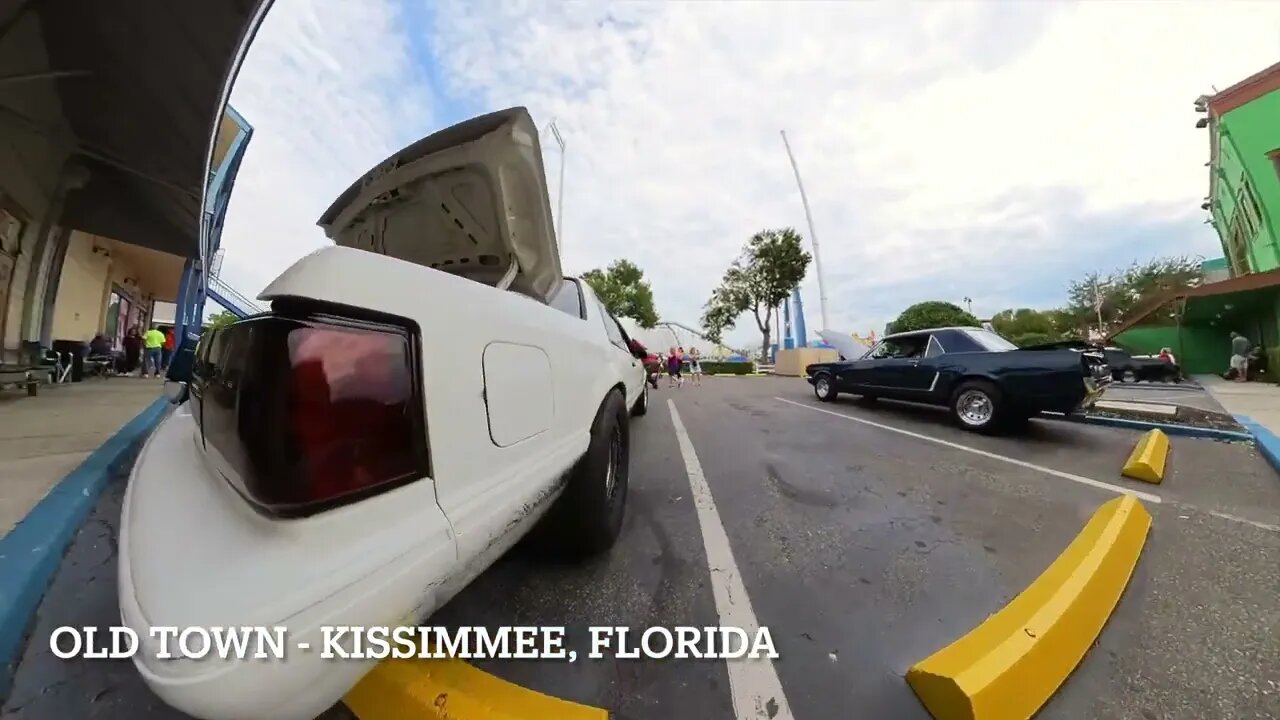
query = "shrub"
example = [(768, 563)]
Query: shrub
[(727, 368)]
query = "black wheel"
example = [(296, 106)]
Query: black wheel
[(825, 387), (978, 406), (642, 403), (588, 516)]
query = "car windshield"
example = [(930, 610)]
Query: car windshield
[(989, 340)]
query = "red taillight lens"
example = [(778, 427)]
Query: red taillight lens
[(314, 412)]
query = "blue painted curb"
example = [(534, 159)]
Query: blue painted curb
[(1267, 442), (1167, 428), (31, 553)]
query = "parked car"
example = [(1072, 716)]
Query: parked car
[(1127, 368), (985, 380), (418, 398)]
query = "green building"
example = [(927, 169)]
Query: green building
[(1241, 290)]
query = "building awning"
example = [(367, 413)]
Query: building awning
[(141, 94), (1210, 301)]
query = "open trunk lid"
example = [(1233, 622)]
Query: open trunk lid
[(470, 200)]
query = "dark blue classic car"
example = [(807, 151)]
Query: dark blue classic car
[(987, 382)]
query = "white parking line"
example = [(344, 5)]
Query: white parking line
[(994, 456), (1246, 521), (754, 686)]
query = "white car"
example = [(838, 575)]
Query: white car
[(418, 398)]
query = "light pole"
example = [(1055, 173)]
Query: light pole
[(559, 223), (813, 234)]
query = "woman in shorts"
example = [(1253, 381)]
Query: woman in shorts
[(695, 366)]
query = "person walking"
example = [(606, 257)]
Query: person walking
[(695, 367), (674, 363), (1240, 357), (153, 341)]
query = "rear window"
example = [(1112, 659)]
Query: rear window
[(311, 411)]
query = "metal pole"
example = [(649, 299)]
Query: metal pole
[(813, 234)]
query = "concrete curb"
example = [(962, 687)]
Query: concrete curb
[(1267, 442), (1014, 661), (1167, 428), (31, 553), (453, 690)]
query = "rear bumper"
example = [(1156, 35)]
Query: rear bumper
[(1093, 391)]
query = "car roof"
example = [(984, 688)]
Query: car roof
[(916, 333)]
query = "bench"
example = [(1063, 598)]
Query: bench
[(21, 375)]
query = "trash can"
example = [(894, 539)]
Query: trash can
[(76, 350)]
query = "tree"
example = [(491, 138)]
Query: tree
[(771, 266), (932, 314), (221, 320), (1025, 327), (1125, 291), (624, 291)]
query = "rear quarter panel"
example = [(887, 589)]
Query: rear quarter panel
[(491, 494), (1034, 379)]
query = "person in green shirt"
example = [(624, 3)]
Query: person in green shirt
[(152, 341)]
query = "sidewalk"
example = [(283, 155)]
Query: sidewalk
[(44, 438), (1259, 401)]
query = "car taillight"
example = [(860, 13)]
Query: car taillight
[(315, 411)]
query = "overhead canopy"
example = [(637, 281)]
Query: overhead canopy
[(1226, 300), (142, 107)]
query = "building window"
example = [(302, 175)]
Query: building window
[(1248, 210), (1275, 160)]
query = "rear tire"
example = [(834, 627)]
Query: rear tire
[(824, 387), (642, 403), (978, 406), (587, 518)]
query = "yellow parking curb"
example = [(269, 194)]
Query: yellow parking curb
[(453, 690), (1146, 462), (1010, 665)]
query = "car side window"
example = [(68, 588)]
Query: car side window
[(885, 349), (611, 327), (934, 349), (569, 299)]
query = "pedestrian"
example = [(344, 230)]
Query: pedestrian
[(674, 363), (132, 346), (1239, 357), (153, 341), (1167, 355), (695, 366), (166, 353)]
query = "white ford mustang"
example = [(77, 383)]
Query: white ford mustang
[(420, 396)]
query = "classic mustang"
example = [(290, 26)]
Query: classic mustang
[(985, 380)]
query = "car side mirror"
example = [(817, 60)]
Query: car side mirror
[(176, 391)]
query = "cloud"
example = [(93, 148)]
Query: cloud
[(988, 150), (331, 89)]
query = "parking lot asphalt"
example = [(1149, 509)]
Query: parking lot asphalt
[(862, 544)]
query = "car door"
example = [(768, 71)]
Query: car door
[(625, 365), (897, 372), (920, 375), (860, 374)]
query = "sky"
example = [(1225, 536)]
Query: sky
[(991, 151)]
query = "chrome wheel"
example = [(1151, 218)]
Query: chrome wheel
[(615, 461), (822, 387), (974, 408)]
